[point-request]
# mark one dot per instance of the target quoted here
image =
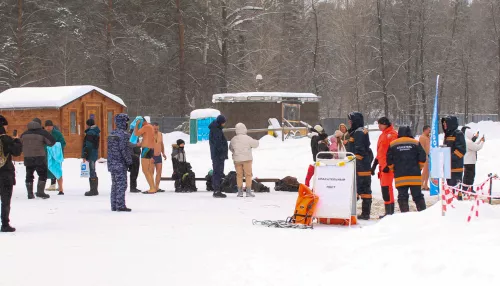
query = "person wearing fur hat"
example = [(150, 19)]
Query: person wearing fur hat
[(10, 147), (218, 152), (90, 153)]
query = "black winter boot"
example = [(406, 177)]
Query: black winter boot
[(7, 228), (366, 207), (219, 195), (94, 183), (29, 187), (420, 205), (389, 210), (404, 207), (40, 190), (125, 209)]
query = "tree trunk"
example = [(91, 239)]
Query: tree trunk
[(498, 76), (182, 72), (19, 37), (446, 62), (421, 61), (382, 63), (224, 49), (109, 68), (316, 47)]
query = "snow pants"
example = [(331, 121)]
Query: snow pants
[(456, 177), (41, 171), (363, 186), (134, 172), (5, 197), (416, 193), (386, 180), (218, 170), (118, 189), (469, 174)]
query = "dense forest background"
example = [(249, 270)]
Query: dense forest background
[(167, 57)]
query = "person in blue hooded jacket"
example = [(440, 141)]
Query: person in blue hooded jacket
[(119, 161), (90, 153), (218, 152)]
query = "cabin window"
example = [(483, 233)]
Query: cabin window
[(110, 121), (72, 122)]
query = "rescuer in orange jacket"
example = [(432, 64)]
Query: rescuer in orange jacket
[(385, 175)]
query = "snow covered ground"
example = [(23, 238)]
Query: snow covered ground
[(193, 239)]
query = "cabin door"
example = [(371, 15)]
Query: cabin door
[(94, 111)]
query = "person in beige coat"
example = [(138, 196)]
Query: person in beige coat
[(241, 146)]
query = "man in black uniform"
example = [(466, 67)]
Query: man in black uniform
[(359, 145), (454, 139), (406, 158)]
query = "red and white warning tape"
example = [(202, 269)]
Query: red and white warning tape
[(451, 192)]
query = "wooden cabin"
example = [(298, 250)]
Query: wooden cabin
[(68, 107), (254, 109)]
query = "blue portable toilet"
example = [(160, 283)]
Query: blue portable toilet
[(199, 120)]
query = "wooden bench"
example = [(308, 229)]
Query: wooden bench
[(260, 180)]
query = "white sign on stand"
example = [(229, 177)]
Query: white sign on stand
[(441, 162), (334, 186)]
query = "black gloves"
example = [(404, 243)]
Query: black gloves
[(374, 166), (386, 169)]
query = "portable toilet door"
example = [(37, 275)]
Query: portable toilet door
[(193, 131)]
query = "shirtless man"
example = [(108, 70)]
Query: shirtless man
[(158, 154), (148, 143)]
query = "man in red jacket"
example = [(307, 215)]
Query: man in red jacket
[(385, 175)]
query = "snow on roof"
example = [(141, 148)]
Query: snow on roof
[(204, 113), (264, 96), (48, 97)]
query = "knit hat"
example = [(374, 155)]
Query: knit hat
[(318, 128), (90, 122), (3, 121), (338, 133), (49, 123), (221, 119), (384, 121), (180, 142), (37, 120)]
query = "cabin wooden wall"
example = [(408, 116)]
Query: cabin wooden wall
[(19, 119)]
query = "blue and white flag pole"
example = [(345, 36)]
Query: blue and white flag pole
[(434, 186)]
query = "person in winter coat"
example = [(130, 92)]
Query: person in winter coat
[(454, 139), (178, 153), (359, 145), (319, 134), (241, 146), (218, 153), (345, 133), (90, 153), (147, 156), (385, 175), (35, 159), (134, 169), (407, 158), (425, 142), (470, 157), (49, 126), (336, 142), (119, 161), (9, 147)]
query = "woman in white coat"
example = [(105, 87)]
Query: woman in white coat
[(241, 146), (470, 157)]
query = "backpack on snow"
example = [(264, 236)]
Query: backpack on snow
[(229, 183), (3, 158), (259, 187), (305, 207), (185, 179), (208, 177), (287, 184)]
